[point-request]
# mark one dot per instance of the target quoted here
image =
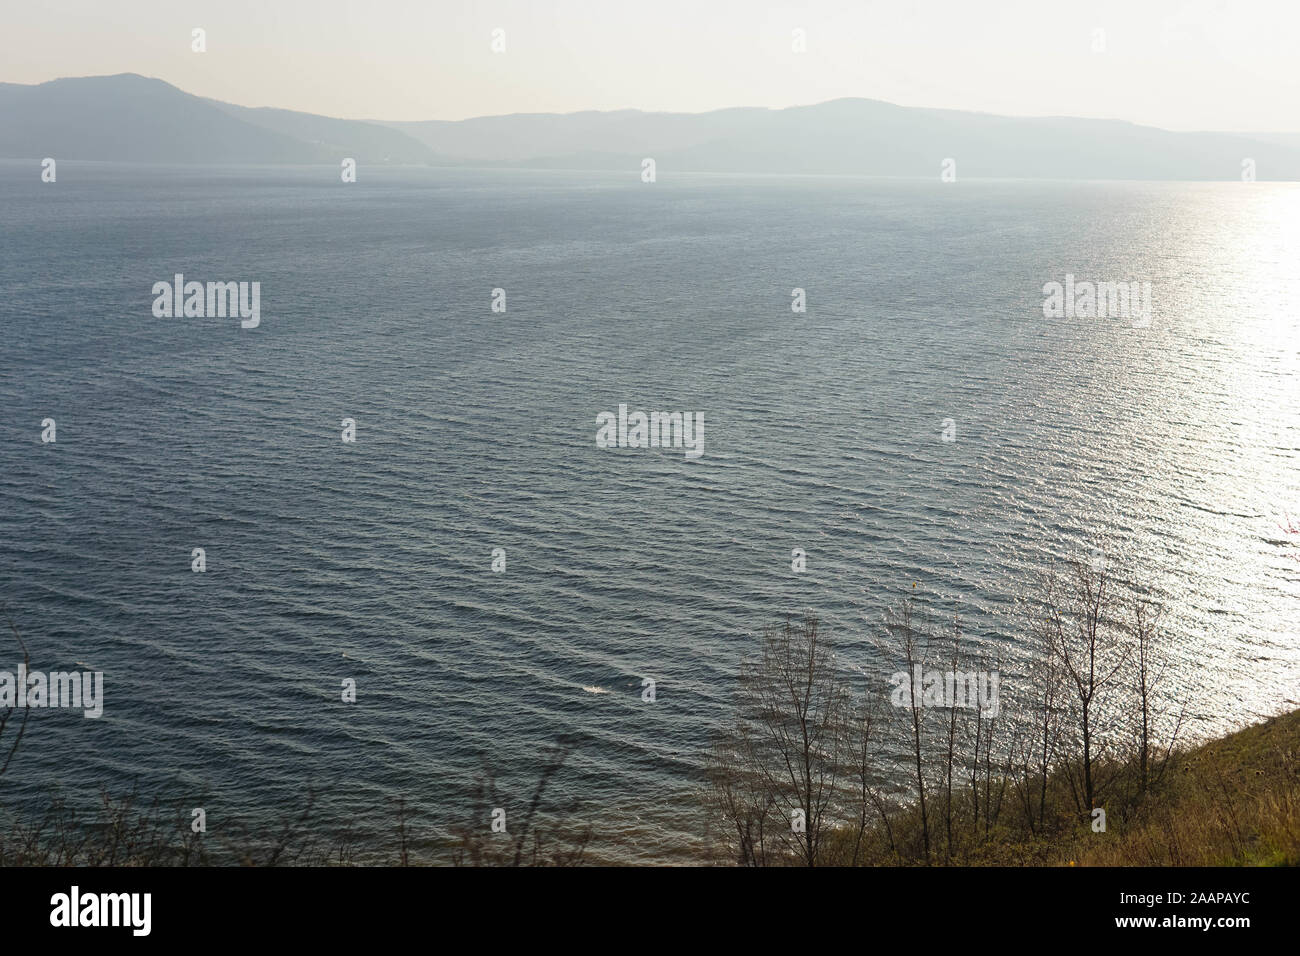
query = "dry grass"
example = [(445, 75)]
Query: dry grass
[(1232, 802)]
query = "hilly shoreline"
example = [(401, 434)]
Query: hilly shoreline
[(131, 118)]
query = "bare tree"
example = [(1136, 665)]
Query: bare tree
[(860, 778), (903, 626), (775, 774), (1087, 643), (1151, 722), (950, 755), (526, 843), (9, 711), (1037, 745), (742, 802)]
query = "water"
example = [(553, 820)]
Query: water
[(475, 431)]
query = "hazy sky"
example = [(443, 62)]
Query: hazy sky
[(1199, 64)]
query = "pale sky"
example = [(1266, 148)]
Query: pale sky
[(1195, 64)]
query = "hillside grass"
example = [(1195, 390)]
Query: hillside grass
[(1232, 801)]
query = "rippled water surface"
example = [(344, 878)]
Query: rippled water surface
[(476, 431)]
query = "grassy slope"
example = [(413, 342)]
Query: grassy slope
[(1232, 801)]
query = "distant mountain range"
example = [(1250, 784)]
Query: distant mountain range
[(131, 118)]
